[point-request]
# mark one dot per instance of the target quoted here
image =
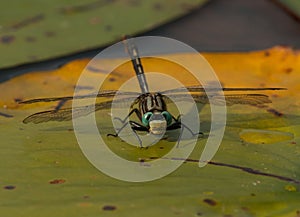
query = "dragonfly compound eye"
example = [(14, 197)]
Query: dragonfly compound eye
[(146, 118), (167, 116)]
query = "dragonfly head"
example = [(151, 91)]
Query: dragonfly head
[(157, 121)]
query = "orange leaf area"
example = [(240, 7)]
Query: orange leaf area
[(275, 67)]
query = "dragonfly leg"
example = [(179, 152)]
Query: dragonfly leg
[(177, 124), (181, 131), (179, 138), (176, 119), (174, 126), (118, 132), (136, 111), (138, 127), (192, 133), (134, 125)]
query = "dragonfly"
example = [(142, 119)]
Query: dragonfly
[(150, 108)]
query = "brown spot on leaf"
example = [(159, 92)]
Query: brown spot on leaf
[(7, 39), (109, 208), (33, 57), (210, 202), (267, 53), (80, 87), (158, 6), (108, 28), (30, 39), (93, 69), (95, 20), (112, 79), (288, 70), (28, 21), (245, 208), (134, 3), (9, 187), (71, 9), (57, 181), (49, 34), (262, 84)]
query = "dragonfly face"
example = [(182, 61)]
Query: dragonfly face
[(156, 122), (154, 113)]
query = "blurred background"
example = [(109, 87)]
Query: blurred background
[(41, 35)]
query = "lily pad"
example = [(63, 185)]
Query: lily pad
[(291, 6), (44, 171), (265, 136), (36, 30)]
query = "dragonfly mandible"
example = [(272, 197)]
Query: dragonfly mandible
[(149, 107)]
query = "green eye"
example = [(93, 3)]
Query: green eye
[(146, 118), (167, 116)]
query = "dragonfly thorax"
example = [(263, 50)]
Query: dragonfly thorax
[(150, 102), (154, 112)]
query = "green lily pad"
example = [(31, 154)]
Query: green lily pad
[(292, 6), (36, 30), (44, 171)]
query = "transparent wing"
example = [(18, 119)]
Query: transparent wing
[(212, 89), (65, 114), (230, 99), (111, 93), (246, 99), (106, 93), (199, 98)]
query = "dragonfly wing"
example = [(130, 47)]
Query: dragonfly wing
[(246, 99), (51, 115), (65, 114), (231, 99), (198, 98), (216, 89), (184, 89), (50, 99), (105, 93)]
